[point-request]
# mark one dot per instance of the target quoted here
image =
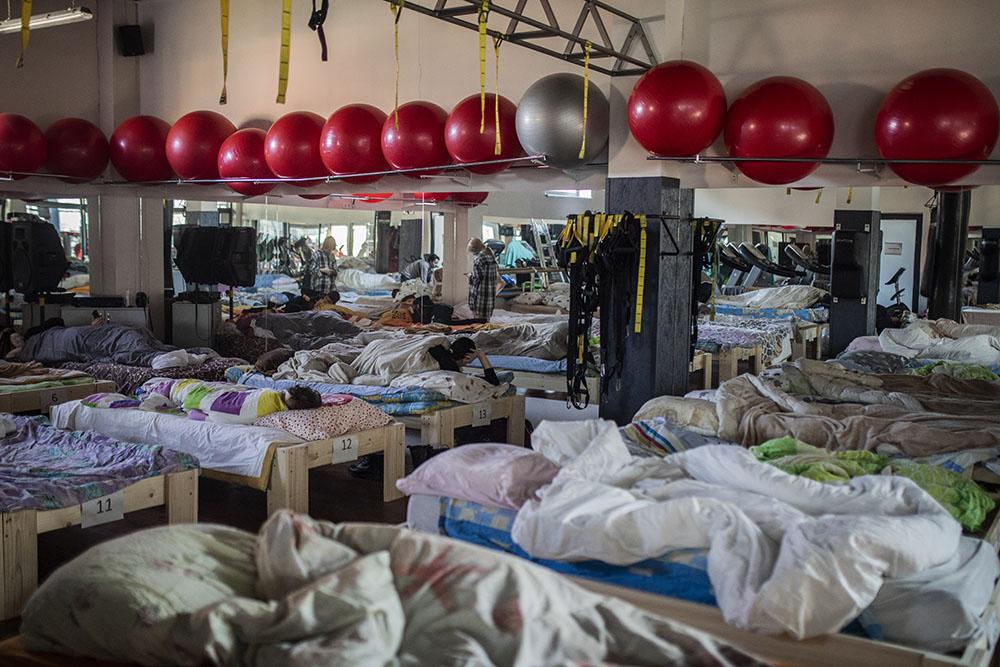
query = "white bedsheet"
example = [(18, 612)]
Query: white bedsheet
[(231, 448), (786, 553), (943, 339)]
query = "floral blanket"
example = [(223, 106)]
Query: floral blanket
[(130, 378), (44, 468)]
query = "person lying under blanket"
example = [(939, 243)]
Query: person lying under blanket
[(461, 353), (227, 403)]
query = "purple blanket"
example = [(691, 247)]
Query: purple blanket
[(44, 468)]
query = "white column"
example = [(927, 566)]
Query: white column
[(455, 257)]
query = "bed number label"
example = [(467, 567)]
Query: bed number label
[(102, 510), (55, 397), (482, 414), (345, 449)]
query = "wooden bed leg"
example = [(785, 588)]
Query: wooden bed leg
[(706, 370), (18, 561), (756, 361), (394, 466), (515, 421), (289, 484), (729, 364), (181, 496)]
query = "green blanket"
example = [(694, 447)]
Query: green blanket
[(959, 371), (962, 497)]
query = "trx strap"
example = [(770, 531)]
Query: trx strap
[(484, 14), (224, 24), (25, 30), (286, 44), (316, 20), (396, 9), (850, 194), (642, 274), (497, 149), (586, 91)]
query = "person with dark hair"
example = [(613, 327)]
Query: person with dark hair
[(483, 280), (422, 268), (461, 353), (230, 404), (301, 397)]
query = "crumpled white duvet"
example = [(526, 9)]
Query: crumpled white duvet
[(786, 554), (785, 296), (944, 339), (355, 280)]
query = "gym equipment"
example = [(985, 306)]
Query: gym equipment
[(550, 121), (466, 143), (351, 142), (937, 114), (780, 116), (193, 144), (292, 149), (756, 257), (898, 313), (817, 273), (22, 145), (242, 156), (856, 248), (416, 139), (77, 148), (741, 269), (37, 259), (677, 109), (138, 149), (469, 199), (989, 267)]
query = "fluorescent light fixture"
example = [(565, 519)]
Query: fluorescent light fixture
[(49, 19), (574, 194)]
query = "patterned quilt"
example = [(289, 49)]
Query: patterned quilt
[(130, 378), (44, 468)]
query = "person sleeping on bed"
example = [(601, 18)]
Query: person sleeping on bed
[(228, 403), (461, 353)]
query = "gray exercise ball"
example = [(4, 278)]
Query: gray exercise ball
[(550, 120)]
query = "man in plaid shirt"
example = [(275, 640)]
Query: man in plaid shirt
[(323, 267), (482, 280)]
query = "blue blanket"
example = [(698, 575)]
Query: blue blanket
[(524, 364)]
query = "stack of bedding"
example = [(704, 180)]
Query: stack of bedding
[(28, 376)]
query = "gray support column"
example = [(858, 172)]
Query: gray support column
[(857, 247), (656, 361), (951, 222)]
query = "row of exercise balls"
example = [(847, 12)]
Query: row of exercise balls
[(679, 108), (70, 147)]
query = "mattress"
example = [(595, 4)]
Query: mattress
[(816, 315), (44, 468), (230, 448), (523, 364), (45, 384), (130, 378)]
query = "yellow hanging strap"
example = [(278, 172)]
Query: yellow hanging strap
[(286, 44), (484, 12), (25, 30), (788, 191), (224, 22), (396, 9), (642, 274), (586, 91), (850, 195), (497, 147), (819, 195)]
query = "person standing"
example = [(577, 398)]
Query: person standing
[(323, 267), (482, 280)]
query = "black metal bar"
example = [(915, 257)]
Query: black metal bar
[(528, 34), (457, 11)]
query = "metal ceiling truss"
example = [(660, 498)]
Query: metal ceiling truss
[(537, 35)]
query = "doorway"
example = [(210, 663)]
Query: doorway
[(901, 238)]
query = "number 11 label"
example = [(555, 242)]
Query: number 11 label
[(345, 449), (102, 510)]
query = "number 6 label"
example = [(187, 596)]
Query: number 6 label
[(102, 510), (482, 414), (345, 449)]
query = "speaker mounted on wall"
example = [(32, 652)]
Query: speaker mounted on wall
[(130, 42)]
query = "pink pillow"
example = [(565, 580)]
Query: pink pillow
[(491, 474)]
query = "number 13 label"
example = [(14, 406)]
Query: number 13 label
[(345, 449), (482, 414), (102, 510)]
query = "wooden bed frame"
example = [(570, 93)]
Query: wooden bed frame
[(730, 358), (178, 492), (437, 428), (286, 467), (807, 342), (40, 400), (828, 651)]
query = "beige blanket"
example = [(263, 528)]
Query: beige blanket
[(32, 372)]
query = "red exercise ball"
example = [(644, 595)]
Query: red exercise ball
[(193, 144), (315, 196), (351, 142), (371, 197), (466, 144), (139, 149), (419, 140), (677, 109), (76, 148), (22, 145), (292, 147), (469, 199), (431, 196), (779, 117), (242, 156), (937, 114)]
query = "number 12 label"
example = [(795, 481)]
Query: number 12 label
[(345, 449), (102, 510)]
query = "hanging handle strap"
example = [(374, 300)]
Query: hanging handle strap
[(316, 21), (25, 30), (286, 47), (224, 24)]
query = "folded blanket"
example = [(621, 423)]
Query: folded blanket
[(453, 386), (32, 372)]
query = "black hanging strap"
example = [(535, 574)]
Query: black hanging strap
[(316, 20)]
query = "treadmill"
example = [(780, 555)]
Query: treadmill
[(759, 260), (741, 268), (818, 274)]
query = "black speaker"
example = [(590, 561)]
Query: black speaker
[(129, 38), (196, 252), (6, 279), (236, 256), (38, 262), (989, 267)]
